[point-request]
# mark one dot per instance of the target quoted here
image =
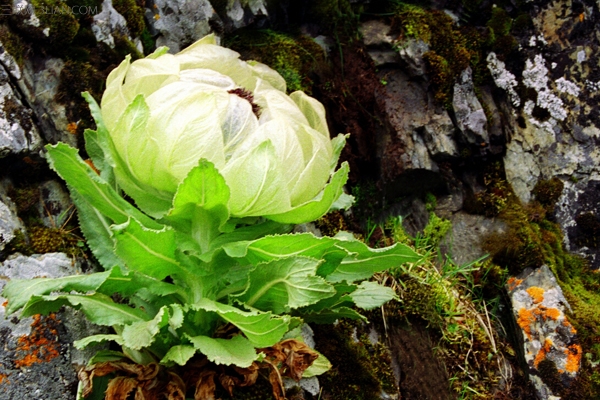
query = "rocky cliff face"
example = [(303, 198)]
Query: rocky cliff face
[(493, 109)]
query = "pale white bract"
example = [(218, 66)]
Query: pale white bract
[(166, 112)]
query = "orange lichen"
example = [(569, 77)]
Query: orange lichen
[(5, 303), (568, 325), (39, 346), (573, 358), (72, 128), (553, 313), (3, 377), (536, 293), (513, 283), (541, 355), (525, 319)]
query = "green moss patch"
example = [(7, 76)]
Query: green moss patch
[(294, 57)]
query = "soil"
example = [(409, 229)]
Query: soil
[(422, 375)]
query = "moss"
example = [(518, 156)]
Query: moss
[(13, 44), (547, 192), (436, 229), (330, 224), (77, 77), (63, 25), (133, 14), (148, 42), (449, 54), (295, 58), (124, 47), (360, 369), (338, 17)]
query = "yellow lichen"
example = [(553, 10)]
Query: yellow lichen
[(513, 283)]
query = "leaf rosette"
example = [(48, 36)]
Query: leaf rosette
[(166, 112), (219, 161)]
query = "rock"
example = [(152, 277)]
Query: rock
[(39, 360), (39, 85), (578, 209), (469, 114), (550, 345), (376, 33), (18, 133), (411, 52), (241, 13), (9, 222), (464, 241), (54, 207), (107, 23), (182, 22), (419, 131)]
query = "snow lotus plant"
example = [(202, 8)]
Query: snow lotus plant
[(219, 161)]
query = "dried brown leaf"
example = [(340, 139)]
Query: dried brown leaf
[(175, 388), (292, 357), (120, 387), (205, 387)]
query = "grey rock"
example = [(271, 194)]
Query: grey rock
[(470, 116), (464, 241), (241, 13), (384, 57), (182, 22), (50, 370), (39, 85), (18, 133), (54, 207), (376, 33), (9, 223), (411, 53), (9, 63), (423, 131), (546, 334), (107, 23)]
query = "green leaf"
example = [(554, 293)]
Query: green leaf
[(98, 308), (179, 354), (105, 356), (285, 284), (95, 111), (141, 334), (19, 291), (315, 209), (97, 150), (262, 329), (95, 339), (280, 246), (97, 232), (200, 204), (205, 188), (151, 252), (364, 262), (80, 177), (235, 351), (318, 367), (130, 282), (176, 316), (371, 295), (341, 298), (329, 316)]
